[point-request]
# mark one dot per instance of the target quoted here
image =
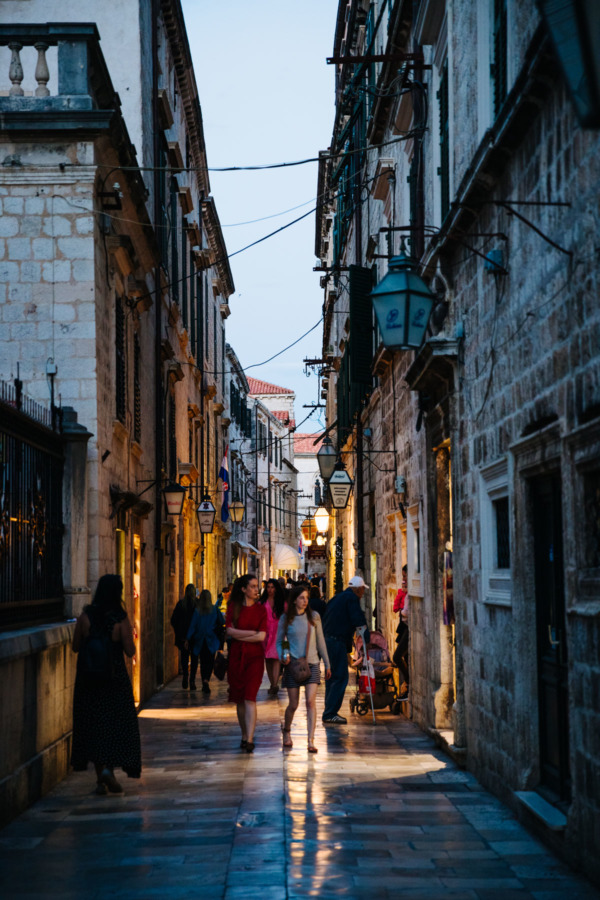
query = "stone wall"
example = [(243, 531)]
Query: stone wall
[(37, 674)]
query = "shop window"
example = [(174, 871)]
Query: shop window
[(495, 534), (414, 552)]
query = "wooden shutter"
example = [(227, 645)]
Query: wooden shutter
[(499, 65), (120, 383), (361, 333), (444, 170), (137, 391)]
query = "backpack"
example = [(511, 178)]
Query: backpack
[(96, 660)]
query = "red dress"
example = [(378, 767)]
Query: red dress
[(246, 660)]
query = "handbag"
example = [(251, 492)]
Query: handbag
[(299, 668), (221, 664)]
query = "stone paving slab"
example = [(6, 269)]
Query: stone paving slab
[(380, 813)]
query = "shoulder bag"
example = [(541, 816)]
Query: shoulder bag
[(299, 668)]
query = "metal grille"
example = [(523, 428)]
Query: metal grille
[(137, 391), (502, 533), (31, 471), (592, 519), (120, 359), (444, 170), (499, 65)]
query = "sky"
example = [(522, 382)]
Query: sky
[(267, 96)]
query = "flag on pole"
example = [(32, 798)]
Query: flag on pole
[(224, 478)]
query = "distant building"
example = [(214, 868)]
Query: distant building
[(310, 496)]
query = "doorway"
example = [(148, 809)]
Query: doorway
[(552, 650)]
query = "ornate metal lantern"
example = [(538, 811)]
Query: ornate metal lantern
[(322, 520), (326, 458), (403, 304), (174, 495), (340, 485), (206, 515)]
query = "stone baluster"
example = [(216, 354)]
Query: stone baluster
[(15, 72), (42, 72)]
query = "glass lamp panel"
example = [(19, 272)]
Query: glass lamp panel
[(321, 520), (419, 310)]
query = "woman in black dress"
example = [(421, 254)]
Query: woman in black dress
[(105, 725)]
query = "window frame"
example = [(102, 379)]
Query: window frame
[(496, 584)]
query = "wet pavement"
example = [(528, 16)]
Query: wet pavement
[(379, 812)]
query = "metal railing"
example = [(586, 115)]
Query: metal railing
[(31, 478)]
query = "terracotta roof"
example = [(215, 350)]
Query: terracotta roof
[(304, 443), (265, 387), (284, 417)]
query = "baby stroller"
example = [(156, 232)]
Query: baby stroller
[(375, 685)]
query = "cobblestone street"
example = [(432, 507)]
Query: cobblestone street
[(379, 812)]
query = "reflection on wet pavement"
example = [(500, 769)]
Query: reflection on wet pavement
[(378, 812)]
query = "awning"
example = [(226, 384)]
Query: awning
[(245, 546), (285, 557)]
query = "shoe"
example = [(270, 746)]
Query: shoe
[(192, 685), (273, 691), (107, 778), (250, 745), (101, 789), (335, 720), (243, 744), (205, 687), (312, 748), (184, 683)]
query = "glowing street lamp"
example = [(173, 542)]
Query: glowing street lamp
[(309, 530), (340, 485), (237, 510), (174, 495), (322, 520), (206, 515)]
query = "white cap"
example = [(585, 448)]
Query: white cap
[(357, 582)]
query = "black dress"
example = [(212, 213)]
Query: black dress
[(105, 725)]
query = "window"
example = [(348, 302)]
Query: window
[(495, 534), (193, 301), (184, 281), (444, 115), (500, 55), (172, 439), (174, 272), (120, 381), (137, 390), (414, 552)]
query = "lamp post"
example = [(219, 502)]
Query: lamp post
[(326, 458), (174, 495), (205, 513), (340, 485), (574, 27), (402, 303)]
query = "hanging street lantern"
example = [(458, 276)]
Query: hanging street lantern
[(174, 495), (322, 520), (308, 542), (340, 485), (237, 510), (326, 458), (403, 304), (309, 530), (574, 27), (206, 515), (321, 539)]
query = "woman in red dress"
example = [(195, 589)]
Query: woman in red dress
[(246, 625)]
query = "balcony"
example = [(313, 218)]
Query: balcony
[(67, 84)]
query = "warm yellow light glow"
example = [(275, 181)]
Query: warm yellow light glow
[(322, 520)]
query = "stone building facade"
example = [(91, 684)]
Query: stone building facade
[(277, 530), (475, 458), (115, 284)]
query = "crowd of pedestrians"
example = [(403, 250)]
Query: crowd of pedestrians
[(282, 626)]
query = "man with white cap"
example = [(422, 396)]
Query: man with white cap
[(342, 617)]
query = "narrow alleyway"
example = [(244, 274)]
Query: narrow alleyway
[(379, 812)]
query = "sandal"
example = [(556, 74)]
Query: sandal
[(287, 741), (312, 748)]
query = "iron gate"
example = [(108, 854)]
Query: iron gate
[(31, 473)]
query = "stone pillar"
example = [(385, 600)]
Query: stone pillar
[(75, 514)]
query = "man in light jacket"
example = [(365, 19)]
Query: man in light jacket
[(342, 617)]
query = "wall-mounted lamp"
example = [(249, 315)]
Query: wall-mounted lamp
[(322, 520), (402, 303), (340, 485), (326, 458), (174, 495), (205, 514)]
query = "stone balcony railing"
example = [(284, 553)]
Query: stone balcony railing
[(75, 80)]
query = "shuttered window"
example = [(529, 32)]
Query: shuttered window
[(200, 318), (361, 332), (174, 223), (137, 390), (172, 440), (500, 50), (120, 383), (183, 290), (444, 169), (193, 302)]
